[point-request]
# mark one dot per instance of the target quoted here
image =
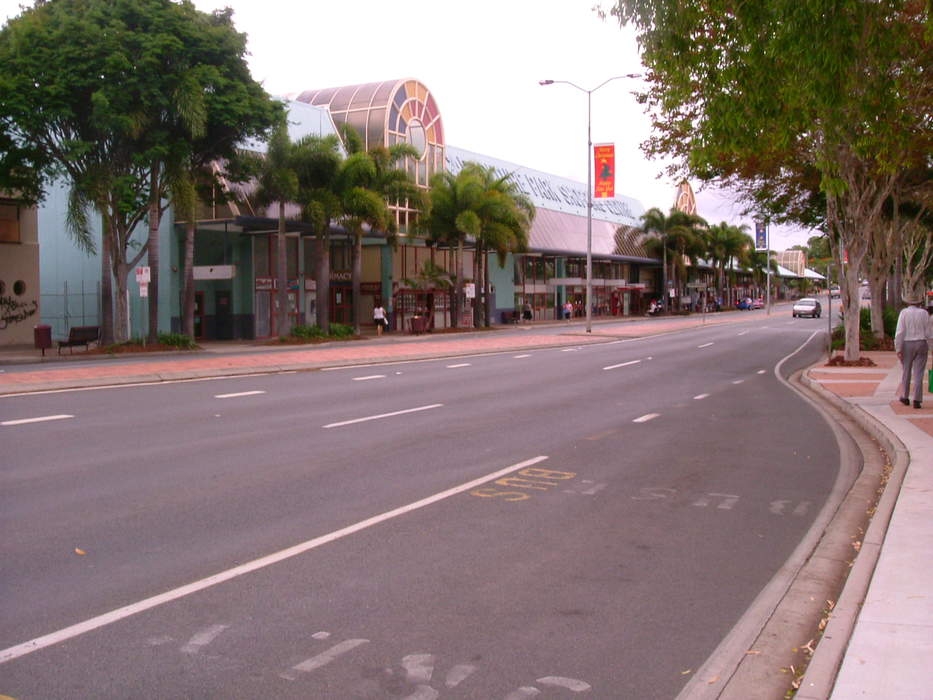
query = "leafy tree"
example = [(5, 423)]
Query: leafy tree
[(114, 96), (782, 95)]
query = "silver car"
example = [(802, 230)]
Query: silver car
[(807, 307)]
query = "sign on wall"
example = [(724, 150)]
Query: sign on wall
[(604, 164)]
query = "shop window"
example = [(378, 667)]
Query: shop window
[(261, 257), (9, 223), (339, 257)]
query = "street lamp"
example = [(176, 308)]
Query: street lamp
[(589, 185)]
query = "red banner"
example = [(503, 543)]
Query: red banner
[(604, 164)]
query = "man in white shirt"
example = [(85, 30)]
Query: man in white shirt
[(911, 342)]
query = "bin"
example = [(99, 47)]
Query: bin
[(42, 337)]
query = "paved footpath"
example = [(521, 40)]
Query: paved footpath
[(879, 642)]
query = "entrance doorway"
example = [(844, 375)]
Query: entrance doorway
[(223, 315), (198, 315)]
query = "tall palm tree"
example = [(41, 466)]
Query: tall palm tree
[(365, 184), (505, 216), (727, 244), (452, 216), (673, 237)]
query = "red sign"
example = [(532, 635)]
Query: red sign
[(604, 164)]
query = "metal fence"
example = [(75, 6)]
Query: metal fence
[(77, 305)]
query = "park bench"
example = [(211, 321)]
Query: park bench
[(80, 335)]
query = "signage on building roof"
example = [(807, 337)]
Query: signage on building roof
[(550, 191)]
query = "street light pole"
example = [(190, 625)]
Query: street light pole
[(589, 185)]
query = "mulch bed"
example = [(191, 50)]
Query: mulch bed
[(129, 349), (840, 361)]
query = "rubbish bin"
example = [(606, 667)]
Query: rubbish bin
[(42, 337)]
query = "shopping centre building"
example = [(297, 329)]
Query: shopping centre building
[(235, 251)]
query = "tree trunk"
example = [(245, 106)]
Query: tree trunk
[(456, 303), (876, 285), (487, 294), (322, 281), (152, 246), (106, 282), (121, 329), (355, 275), (282, 318), (477, 286), (188, 298)]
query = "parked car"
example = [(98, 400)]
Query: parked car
[(743, 303), (758, 303), (835, 292), (807, 307)]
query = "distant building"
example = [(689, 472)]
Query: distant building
[(793, 260)]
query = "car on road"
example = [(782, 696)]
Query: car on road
[(807, 307), (834, 292), (758, 303), (743, 303)]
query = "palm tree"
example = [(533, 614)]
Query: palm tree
[(676, 236), (759, 261), (451, 216), (727, 245), (365, 183)]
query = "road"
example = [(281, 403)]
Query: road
[(558, 523)]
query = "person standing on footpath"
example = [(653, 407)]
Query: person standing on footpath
[(379, 316), (911, 343)]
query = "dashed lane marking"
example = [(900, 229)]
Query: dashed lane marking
[(645, 418), (322, 659), (623, 364), (202, 639), (521, 357), (700, 397), (238, 394), (704, 345), (462, 364), (40, 419), (371, 376), (738, 381), (383, 415)]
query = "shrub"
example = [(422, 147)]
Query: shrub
[(341, 330), (308, 332), (177, 340)]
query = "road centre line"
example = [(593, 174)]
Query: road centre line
[(700, 397), (462, 364), (40, 419), (371, 376), (738, 381), (383, 415), (623, 364), (126, 611), (704, 345), (645, 418), (238, 394), (520, 357)]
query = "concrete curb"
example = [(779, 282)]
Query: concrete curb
[(820, 676)]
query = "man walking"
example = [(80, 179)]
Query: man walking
[(911, 342)]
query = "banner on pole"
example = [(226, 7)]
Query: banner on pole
[(604, 163), (761, 235)]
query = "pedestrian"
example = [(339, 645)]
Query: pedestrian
[(568, 310), (526, 311), (379, 317), (912, 343)]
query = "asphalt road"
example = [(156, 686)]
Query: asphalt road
[(585, 522)]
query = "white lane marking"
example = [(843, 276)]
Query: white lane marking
[(202, 639), (571, 684), (700, 397), (384, 415), (462, 364), (521, 357), (458, 674), (238, 394), (570, 349), (743, 332), (738, 381), (593, 490), (523, 693), (704, 345), (40, 419), (322, 659), (320, 635), (762, 371), (418, 667), (645, 418), (371, 376), (624, 364), (93, 623)]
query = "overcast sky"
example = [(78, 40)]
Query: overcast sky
[(482, 59)]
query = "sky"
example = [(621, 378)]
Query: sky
[(482, 60)]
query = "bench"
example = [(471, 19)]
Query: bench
[(80, 335)]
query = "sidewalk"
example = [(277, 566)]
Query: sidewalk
[(889, 651), (880, 642)]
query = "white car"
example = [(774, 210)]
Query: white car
[(807, 307)]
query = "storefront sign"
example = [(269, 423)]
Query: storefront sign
[(214, 272), (142, 274), (264, 284), (604, 164), (470, 290), (341, 276)]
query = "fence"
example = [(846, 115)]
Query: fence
[(77, 305)]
